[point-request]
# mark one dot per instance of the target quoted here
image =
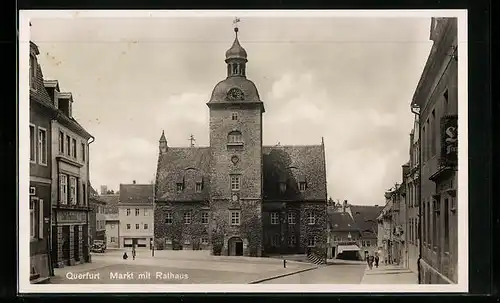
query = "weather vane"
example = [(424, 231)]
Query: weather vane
[(235, 23)]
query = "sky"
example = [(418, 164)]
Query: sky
[(348, 80)]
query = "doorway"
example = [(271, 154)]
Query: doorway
[(235, 245), (65, 244), (76, 243), (134, 242)]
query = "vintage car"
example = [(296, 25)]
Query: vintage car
[(98, 246)]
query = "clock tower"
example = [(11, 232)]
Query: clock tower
[(236, 177)]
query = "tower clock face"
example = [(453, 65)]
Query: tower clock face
[(235, 94)]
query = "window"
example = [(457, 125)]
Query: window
[(433, 130), (137, 226), (137, 211), (32, 72), (198, 187), (72, 190), (235, 182), (63, 189), (180, 187), (436, 223), (68, 145), (282, 187), (275, 218), (61, 142), (234, 116), (275, 240), (32, 144), (146, 226), (424, 144), (168, 218), (234, 137), (204, 217), (168, 241), (128, 226), (291, 218), (146, 213), (291, 241), (187, 218), (187, 242), (427, 222), (204, 240), (113, 239), (446, 214), (73, 148), (367, 243), (302, 186), (311, 241), (42, 146), (311, 219), (235, 218), (83, 151), (84, 196), (33, 220), (128, 211)]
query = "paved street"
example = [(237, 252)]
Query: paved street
[(173, 267), (389, 274), (332, 274)]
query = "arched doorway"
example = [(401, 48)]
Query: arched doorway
[(235, 246)]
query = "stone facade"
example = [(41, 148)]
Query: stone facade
[(237, 182), (436, 98)]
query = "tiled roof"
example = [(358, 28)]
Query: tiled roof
[(136, 194), (39, 93), (186, 165), (341, 221), (111, 203), (291, 165), (366, 217)]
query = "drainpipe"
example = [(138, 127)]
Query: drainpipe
[(87, 196), (419, 271)]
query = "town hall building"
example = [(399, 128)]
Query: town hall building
[(236, 196)]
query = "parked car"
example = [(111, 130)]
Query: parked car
[(98, 246)]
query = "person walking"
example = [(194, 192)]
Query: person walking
[(133, 253), (376, 260), (370, 262), (125, 256)]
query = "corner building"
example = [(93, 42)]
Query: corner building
[(238, 197)]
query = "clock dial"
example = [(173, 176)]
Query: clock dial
[(235, 198), (235, 94)]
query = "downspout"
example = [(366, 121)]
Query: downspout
[(417, 113), (87, 198), (51, 262)]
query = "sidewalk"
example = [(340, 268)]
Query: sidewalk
[(389, 274)]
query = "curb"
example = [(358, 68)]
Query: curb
[(283, 275)]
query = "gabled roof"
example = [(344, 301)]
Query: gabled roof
[(341, 221), (366, 217), (291, 165), (185, 165), (136, 194)]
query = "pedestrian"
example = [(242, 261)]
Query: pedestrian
[(133, 253), (370, 262), (125, 256), (376, 260)]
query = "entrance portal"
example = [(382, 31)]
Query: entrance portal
[(76, 243), (235, 246)]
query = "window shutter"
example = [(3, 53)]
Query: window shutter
[(40, 218)]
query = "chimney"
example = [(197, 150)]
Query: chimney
[(344, 206), (133, 182), (376, 205)]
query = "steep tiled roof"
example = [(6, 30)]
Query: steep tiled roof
[(136, 193), (341, 221), (292, 164), (39, 93), (366, 217), (111, 203), (183, 165)]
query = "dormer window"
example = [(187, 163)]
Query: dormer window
[(33, 72), (63, 104)]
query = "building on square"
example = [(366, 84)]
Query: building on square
[(41, 113), (343, 236), (70, 179), (436, 102), (236, 196), (365, 218), (135, 214), (97, 217)]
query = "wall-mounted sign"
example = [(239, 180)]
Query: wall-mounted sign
[(71, 217), (449, 140), (32, 191)]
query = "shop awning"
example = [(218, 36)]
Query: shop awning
[(342, 248)]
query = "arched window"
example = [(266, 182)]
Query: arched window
[(234, 137)]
